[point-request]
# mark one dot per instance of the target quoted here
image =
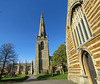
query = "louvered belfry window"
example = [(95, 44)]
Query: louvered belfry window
[(42, 45)]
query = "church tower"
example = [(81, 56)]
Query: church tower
[(42, 51)]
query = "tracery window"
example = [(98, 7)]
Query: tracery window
[(29, 68), (22, 68), (80, 27)]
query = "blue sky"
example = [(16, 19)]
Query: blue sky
[(19, 24)]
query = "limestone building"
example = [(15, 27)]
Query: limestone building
[(42, 51), (23, 68), (83, 41)]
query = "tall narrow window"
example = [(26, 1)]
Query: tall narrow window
[(29, 68), (22, 68), (88, 26), (80, 25), (81, 32), (15, 68), (42, 45), (78, 35), (84, 29)]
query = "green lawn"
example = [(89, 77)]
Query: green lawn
[(17, 78), (48, 76)]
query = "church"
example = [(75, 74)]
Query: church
[(83, 41), (42, 51), (23, 68)]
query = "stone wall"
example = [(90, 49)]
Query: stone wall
[(91, 10), (23, 68)]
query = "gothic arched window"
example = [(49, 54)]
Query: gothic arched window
[(80, 26), (15, 68), (29, 68), (22, 68), (42, 45)]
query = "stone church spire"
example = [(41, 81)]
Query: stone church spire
[(42, 50), (42, 32)]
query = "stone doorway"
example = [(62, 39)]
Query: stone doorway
[(88, 67)]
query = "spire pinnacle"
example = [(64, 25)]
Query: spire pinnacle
[(42, 14), (42, 32)]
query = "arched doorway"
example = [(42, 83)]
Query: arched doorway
[(88, 67)]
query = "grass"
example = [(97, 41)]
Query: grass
[(1, 83), (49, 77), (17, 78)]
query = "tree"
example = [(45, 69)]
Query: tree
[(59, 57), (9, 67), (7, 55)]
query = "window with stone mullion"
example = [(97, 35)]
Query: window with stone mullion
[(78, 18), (89, 34), (87, 26), (74, 28), (83, 25), (80, 25)]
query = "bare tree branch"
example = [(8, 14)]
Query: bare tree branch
[(7, 55)]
